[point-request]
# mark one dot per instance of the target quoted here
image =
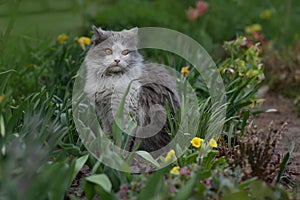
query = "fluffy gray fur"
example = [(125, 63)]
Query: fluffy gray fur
[(109, 73)]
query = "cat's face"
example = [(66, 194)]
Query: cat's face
[(114, 53)]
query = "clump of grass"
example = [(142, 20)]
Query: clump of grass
[(256, 154)]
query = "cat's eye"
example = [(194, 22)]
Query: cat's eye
[(125, 52), (108, 51)]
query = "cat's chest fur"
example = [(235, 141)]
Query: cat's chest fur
[(107, 92), (111, 86)]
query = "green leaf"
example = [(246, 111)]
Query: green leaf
[(247, 182), (264, 111), (148, 157), (204, 174), (116, 177), (153, 186), (104, 194), (237, 196), (283, 165), (89, 190), (246, 115), (119, 118), (100, 179), (78, 165), (230, 134), (58, 184), (285, 161), (208, 159), (192, 158), (220, 163), (2, 126), (8, 71), (169, 117), (271, 110), (260, 190)]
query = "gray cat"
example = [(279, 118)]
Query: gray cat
[(115, 66)]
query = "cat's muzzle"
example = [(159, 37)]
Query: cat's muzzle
[(114, 69)]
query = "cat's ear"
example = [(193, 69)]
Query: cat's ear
[(134, 31), (131, 32), (132, 36), (99, 35)]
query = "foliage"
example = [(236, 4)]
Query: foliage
[(42, 154), (278, 20), (199, 172), (30, 133), (213, 181), (35, 122), (242, 73)]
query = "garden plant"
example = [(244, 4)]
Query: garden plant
[(42, 155)]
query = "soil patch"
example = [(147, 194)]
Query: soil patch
[(286, 112)]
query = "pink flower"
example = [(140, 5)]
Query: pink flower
[(124, 188), (192, 14), (201, 7), (207, 181), (184, 170), (181, 172), (200, 10), (172, 189)]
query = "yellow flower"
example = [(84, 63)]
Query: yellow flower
[(62, 38), (175, 170), (213, 143), (196, 142), (185, 70), (253, 28), (266, 14), (170, 155), (1, 98), (82, 41)]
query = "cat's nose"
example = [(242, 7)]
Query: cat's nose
[(117, 61)]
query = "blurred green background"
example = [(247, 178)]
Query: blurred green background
[(28, 24)]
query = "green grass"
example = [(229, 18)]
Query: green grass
[(34, 24), (40, 149), (43, 17)]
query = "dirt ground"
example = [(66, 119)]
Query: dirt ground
[(285, 113)]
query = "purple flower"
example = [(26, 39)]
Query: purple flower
[(124, 187)]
